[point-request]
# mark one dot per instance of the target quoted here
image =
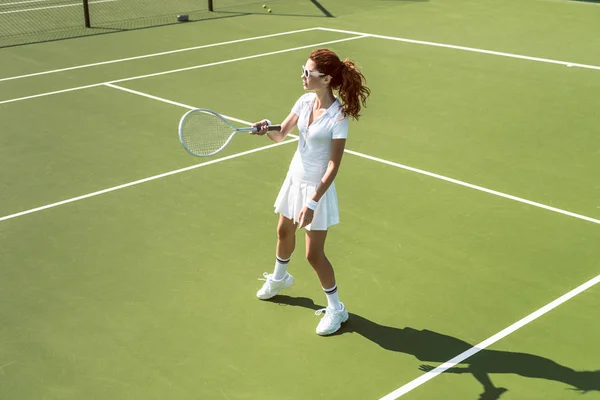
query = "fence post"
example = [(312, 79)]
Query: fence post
[(86, 13), (210, 5)]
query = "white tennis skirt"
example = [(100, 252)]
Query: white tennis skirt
[(294, 195)]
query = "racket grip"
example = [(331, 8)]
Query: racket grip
[(274, 128)]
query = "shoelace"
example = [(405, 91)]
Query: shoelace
[(324, 310), (266, 277)]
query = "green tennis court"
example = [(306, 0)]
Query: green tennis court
[(469, 201)]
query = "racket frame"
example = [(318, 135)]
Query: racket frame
[(234, 130)]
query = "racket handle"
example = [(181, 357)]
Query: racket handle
[(254, 130)]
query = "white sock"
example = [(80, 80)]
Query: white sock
[(280, 268), (333, 298)]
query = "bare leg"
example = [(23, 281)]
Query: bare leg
[(286, 237), (335, 313), (315, 254), (280, 278)]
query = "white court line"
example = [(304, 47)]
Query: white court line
[(49, 7), (430, 375), (112, 189), (472, 49), (480, 188), (155, 54), (152, 178), (488, 342), (21, 2), (51, 93), (423, 378), (175, 103), (393, 164), (237, 59), (169, 101), (181, 69)]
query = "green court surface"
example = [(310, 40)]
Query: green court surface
[(469, 200)]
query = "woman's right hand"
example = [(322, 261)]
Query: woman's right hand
[(262, 127)]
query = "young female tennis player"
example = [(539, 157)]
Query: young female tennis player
[(308, 198)]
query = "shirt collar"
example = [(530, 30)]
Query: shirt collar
[(334, 108)]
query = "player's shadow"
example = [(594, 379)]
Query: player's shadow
[(429, 346)]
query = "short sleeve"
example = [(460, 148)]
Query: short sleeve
[(340, 128), (299, 104)]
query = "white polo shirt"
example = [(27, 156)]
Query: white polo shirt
[(314, 147)]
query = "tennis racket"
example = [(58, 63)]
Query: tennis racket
[(204, 132)]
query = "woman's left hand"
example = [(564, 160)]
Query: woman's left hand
[(305, 218)]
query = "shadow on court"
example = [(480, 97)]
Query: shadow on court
[(429, 346)]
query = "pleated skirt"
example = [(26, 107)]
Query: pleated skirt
[(295, 193)]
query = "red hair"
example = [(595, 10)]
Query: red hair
[(345, 78)]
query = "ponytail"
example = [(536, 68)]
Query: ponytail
[(352, 89), (345, 78)]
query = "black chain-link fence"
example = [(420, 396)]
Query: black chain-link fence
[(34, 21)]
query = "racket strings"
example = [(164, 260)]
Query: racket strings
[(205, 133)]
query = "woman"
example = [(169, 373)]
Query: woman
[(307, 198)]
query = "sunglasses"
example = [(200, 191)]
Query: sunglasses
[(306, 73)]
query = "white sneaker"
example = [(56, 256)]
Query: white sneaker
[(332, 321), (271, 287)]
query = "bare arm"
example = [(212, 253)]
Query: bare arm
[(335, 159)]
